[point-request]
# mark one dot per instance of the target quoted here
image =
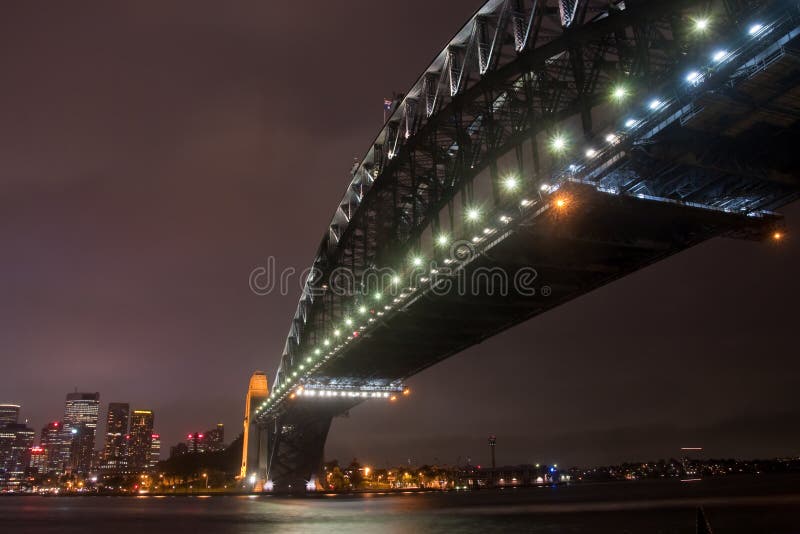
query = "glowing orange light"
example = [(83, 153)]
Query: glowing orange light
[(777, 236), (292, 396), (561, 202), (393, 398), (407, 391)]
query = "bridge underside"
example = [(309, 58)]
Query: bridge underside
[(711, 163), (596, 238)]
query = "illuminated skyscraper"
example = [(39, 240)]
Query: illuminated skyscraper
[(216, 438), (114, 453), (141, 441), (155, 451), (81, 412), (16, 441), (52, 442), (257, 393), (39, 460), (9, 414)]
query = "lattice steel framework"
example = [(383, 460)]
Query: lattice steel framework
[(517, 68)]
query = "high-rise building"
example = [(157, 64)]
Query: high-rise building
[(141, 432), (81, 449), (52, 442), (209, 441), (16, 441), (256, 394), (39, 460), (81, 412), (155, 451), (216, 438), (9, 414), (114, 453)]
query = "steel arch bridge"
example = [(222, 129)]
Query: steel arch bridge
[(552, 146)]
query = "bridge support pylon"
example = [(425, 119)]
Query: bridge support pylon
[(295, 446)]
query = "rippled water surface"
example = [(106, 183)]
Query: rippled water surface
[(764, 504)]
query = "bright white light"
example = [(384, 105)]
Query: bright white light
[(630, 122), (619, 92), (377, 296), (719, 55), (701, 25), (311, 485), (693, 77), (253, 478), (337, 332), (268, 485), (544, 187), (755, 28), (654, 104), (558, 143), (524, 202), (510, 183), (395, 279), (590, 152), (348, 321), (473, 214), (326, 342), (442, 240), (611, 138), (416, 261), (317, 352), (362, 310)]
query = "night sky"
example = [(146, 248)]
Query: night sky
[(153, 153)]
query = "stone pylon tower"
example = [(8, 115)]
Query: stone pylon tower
[(256, 394)]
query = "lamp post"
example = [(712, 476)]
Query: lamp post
[(205, 476)]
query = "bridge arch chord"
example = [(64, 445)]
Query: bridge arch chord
[(515, 73)]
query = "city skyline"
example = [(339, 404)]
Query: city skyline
[(129, 250)]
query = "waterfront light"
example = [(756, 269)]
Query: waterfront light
[(416, 261), (362, 310), (755, 28), (630, 123), (442, 240), (590, 152), (473, 214), (654, 104), (719, 55), (612, 139)]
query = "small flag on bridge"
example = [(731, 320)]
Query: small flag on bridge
[(387, 107)]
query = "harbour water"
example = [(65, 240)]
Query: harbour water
[(733, 505)]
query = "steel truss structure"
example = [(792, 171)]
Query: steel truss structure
[(518, 72)]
